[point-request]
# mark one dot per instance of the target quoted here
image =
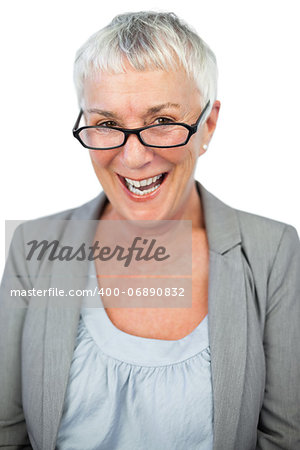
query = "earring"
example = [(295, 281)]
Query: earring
[(204, 147)]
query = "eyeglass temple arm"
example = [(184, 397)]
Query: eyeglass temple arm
[(201, 115), (78, 120)]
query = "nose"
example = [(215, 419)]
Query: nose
[(134, 154)]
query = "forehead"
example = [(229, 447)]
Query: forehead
[(140, 88)]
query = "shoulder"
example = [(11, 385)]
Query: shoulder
[(87, 211), (227, 226), (265, 240), (260, 231), (53, 226), (84, 211)]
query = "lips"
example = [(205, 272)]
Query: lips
[(143, 197)]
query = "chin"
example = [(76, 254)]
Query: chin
[(145, 215)]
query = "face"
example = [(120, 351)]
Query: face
[(135, 99)]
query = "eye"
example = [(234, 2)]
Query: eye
[(108, 124), (163, 120)]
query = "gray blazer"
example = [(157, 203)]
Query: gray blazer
[(254, 332)]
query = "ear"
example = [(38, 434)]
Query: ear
[(211, 121)]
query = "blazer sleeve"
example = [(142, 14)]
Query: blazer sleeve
[(279, 421), (13, 431)]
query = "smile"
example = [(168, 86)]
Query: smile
[(143, 187)]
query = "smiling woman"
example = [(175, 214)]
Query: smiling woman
[(220, 372)]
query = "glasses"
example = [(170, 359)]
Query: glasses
[(168, 135)]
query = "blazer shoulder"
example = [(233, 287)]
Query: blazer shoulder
[(86, 211), (262, 236), (83, 211), (52, 226), (259, 226)]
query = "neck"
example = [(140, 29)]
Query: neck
[(192, 208)]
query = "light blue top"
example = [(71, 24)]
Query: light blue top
[(127, 392)]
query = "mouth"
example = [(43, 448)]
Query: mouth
[(145, 188)]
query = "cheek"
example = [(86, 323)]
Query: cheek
[(176, 156), (184, 157), (101, 159)]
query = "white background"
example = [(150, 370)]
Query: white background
[(253, 160)]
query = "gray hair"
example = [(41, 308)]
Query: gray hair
[(148, 40)]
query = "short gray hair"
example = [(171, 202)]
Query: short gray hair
[(148, 40)]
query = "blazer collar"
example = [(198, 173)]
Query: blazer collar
[(221, 222), (227, 314)]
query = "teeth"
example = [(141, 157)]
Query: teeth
[(138, 192), (144, 182)]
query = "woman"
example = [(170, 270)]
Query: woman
[(220, 374)]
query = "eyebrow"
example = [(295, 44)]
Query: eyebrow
[(101, 112), (153, 110), (158, 108)]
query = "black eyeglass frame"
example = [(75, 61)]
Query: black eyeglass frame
[(127, 132)]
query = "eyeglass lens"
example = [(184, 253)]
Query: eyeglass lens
[(162, 135)]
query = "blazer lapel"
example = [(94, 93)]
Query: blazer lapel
[(226, 314), (62, 320)]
